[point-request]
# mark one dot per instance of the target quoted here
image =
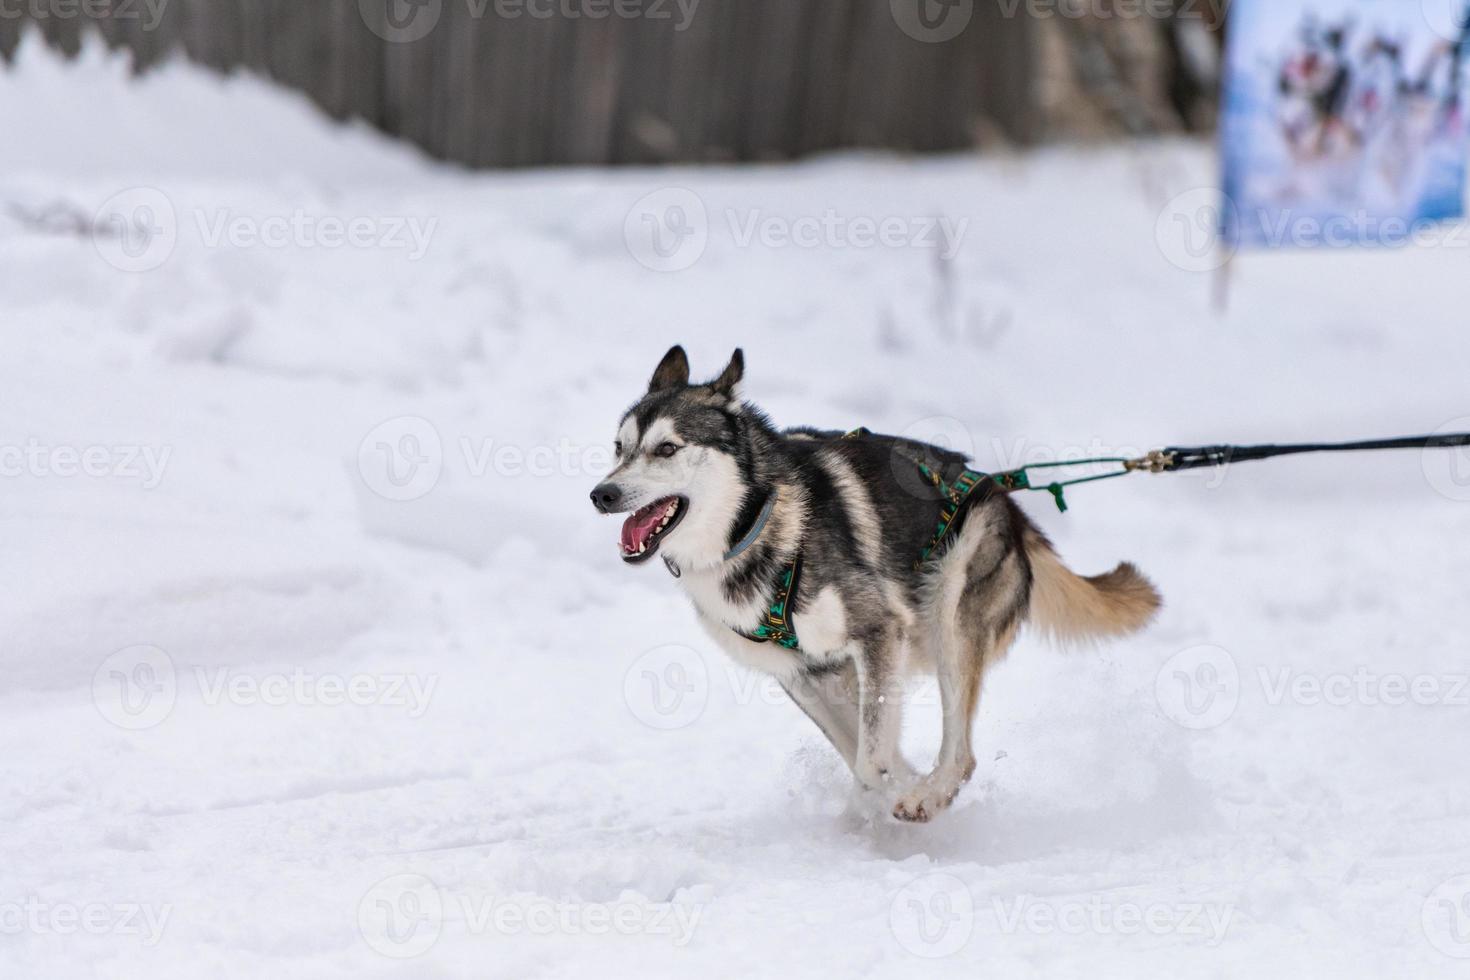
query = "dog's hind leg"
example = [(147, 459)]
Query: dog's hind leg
[(983, 589), (959, 687)]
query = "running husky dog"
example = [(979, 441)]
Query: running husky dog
[(814, 557)]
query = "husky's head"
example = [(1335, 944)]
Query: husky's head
[(678, 472)]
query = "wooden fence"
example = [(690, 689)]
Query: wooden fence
[(506, 83)]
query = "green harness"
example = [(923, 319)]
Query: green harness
[(971, 486), (958, 497), (775, 624), (968, 489)]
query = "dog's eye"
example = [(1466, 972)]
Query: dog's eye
[(666, 450), (617, 449)]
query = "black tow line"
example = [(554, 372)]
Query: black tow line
[(971, 488), (1176, 459)]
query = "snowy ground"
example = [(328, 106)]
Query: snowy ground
[(317, 658)]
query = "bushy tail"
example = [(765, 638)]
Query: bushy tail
[(1072, 608)]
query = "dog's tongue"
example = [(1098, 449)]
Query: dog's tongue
[(640, 525)]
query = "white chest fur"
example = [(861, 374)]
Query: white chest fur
[(705, 588), (820, 627)]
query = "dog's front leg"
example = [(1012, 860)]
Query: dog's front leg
[(830, 700), (880, 713)]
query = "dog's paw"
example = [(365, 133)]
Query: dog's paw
[(927, 800), (873, 780), (891, 777)]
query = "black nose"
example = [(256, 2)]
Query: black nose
[(605, 496)]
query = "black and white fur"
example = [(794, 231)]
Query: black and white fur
[(859, 513)]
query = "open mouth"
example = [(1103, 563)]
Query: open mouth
[(645, 528)]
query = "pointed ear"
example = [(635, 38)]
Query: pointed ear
[(672, 371), (725, 384)]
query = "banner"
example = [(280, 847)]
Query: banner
[(1344, 121)]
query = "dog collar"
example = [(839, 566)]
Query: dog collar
[(744, 543), (765, 514), (755, 529)]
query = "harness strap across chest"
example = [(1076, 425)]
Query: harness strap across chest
[(775, 624)]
